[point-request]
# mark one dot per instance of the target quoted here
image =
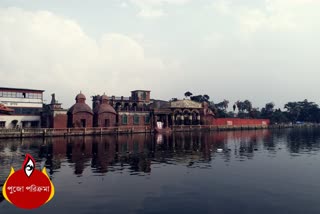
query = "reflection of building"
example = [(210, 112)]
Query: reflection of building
[(136, 153), (26, 105)]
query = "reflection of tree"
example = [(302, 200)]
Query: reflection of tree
[(303, 140)]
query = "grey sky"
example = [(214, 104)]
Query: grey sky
[(261, 50)]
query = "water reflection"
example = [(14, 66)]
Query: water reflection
[(263, 171), (137, 153)]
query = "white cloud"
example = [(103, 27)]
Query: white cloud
[(123, 4), (221, 6), (154, 8), (274, 16), (150, 13), (46, 51), (265, 51)]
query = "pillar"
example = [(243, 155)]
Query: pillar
[(167, 121)]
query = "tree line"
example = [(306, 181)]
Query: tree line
[(294, 112)]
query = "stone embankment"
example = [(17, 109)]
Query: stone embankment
[(43, 132)]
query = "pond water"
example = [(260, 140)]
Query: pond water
[(263, 171)]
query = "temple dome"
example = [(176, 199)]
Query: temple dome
[(80, 96), (80, 107), (104, 108), (104, 97)]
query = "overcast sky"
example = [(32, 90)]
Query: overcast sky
[(261, 50)]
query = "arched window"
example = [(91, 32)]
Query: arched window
[(124, 119), (136, 119), (147, 119)]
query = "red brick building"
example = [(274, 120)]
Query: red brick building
[(137, 112), (104, 113), (133, 110), (53, 115), (80, 114)]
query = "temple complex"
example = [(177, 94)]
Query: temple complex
[(137, 111)]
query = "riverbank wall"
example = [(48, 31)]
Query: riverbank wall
[(45, 132)]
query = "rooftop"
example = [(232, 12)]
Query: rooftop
[(20, 89), (141, 90), (185, 104)]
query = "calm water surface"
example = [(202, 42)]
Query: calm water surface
[(258, 172)]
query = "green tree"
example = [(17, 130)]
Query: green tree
[(188, 94), (267, 111), (303, 111)]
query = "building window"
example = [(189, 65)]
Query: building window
[(124, 119), (136, 119), (34, 96), (34, 124), (25, 124), (2, 124), (27, 111), (106, 123), (20, 95), (10, 94), (144, 96), (83, 123), (147, 119)]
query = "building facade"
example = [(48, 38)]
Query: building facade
[(80, 115), (26, 106), (53, 115), (104, 113)]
